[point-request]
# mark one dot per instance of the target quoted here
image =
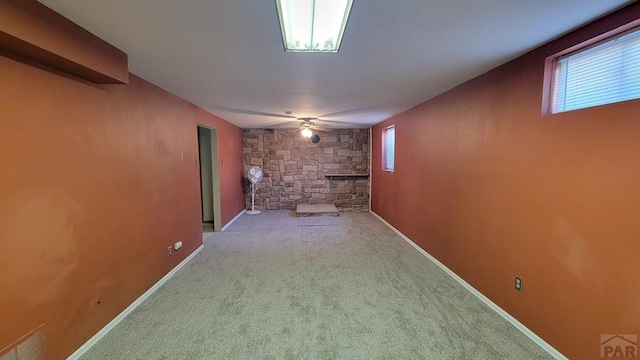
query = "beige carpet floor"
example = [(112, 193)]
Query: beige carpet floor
[(271, 288)]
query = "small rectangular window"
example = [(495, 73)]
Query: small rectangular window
[(604, 73), (388, 148)]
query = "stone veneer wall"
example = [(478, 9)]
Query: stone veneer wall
[(295, 168)]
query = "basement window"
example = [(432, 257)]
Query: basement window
[(602, 73), (388, 148)]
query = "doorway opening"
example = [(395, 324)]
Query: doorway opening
[(209, 179)]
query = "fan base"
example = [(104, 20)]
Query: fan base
[(253, 212)]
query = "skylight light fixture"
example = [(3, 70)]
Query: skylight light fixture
[(313, 25)]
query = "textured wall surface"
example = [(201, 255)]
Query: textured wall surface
[(295, 169), (93, 190), (493, 189)]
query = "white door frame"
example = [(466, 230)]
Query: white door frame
[(215, 175)]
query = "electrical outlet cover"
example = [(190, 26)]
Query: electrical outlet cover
[(518, 283)]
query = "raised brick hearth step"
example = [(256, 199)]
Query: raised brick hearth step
[(316, 210)]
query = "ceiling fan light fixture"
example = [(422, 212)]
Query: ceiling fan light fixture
[(306, 132), (313, 25)]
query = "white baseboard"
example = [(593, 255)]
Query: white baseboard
[(538, 340), (233, 220), (97, 337)]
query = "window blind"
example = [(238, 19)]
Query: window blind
[(389, 148), (606, 73)]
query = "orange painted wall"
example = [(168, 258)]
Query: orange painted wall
[(493, 190), (92, 192), (36, 32)]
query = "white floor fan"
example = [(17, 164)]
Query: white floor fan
[(255, 176)]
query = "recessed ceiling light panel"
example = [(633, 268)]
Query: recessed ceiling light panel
[(313, 25)]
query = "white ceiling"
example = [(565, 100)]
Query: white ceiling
[(227, 55)]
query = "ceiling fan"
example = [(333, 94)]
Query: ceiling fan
[(309, 122), (320, 123), (307, 127)]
